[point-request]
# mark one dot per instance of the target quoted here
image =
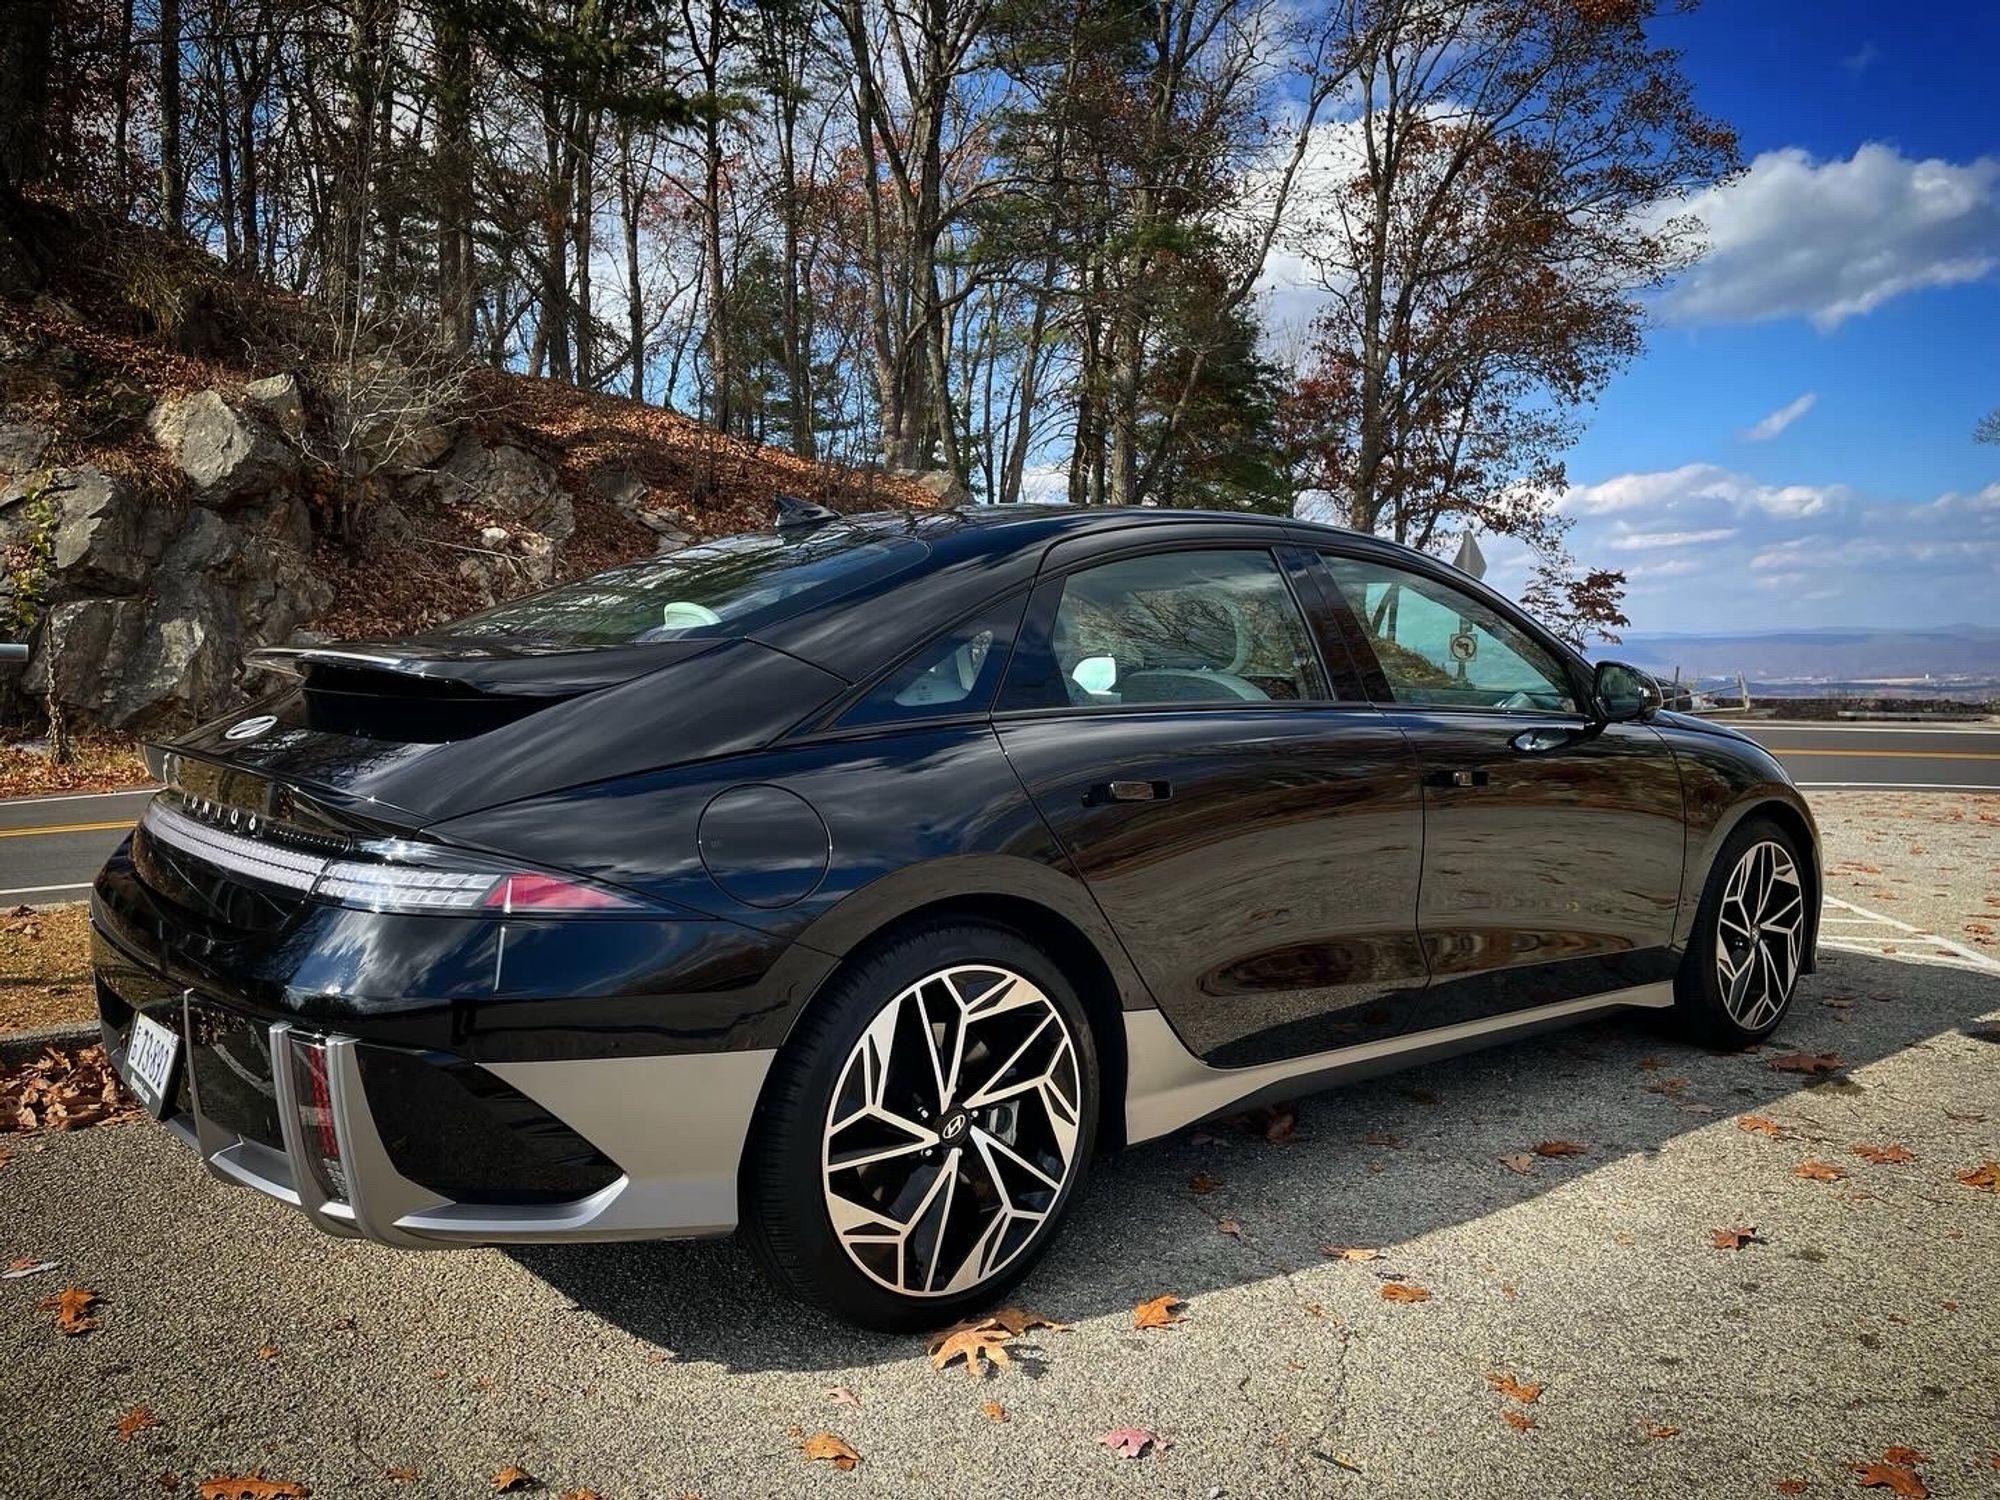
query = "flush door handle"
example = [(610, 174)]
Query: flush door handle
[(1129, 791), (1462, 777)]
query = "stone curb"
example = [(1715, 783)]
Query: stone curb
[(20, 1047)]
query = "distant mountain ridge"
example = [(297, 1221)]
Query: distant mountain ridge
[(1833, 653)]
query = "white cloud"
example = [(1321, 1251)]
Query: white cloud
[(1861, 60), (1767, 427), (1647, 541), (1667, 490), (1797, 237)]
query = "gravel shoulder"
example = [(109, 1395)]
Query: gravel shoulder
[(1861, 1317)]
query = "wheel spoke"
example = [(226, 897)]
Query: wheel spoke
[(1760, 930)]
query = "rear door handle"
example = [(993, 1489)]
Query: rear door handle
[(1129, 791), (1462, 777)]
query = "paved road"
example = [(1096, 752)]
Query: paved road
[(50, 847), (1864, 1317)]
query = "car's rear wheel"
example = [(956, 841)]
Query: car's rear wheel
[(925, 1129), (1743, 964)]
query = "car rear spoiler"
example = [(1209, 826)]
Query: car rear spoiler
[(452, 668)]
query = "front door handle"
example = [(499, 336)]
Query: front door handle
[(1129, 791), (1461, 777), (1531, 741)]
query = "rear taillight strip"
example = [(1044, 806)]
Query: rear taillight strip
[(232, 852)]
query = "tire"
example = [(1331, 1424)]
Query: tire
[(1742, 966), (943, 1194)]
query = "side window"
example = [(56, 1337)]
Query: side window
[(1442, 647), (1174, 628), (954, 674)]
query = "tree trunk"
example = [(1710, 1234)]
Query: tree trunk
[(454, 179), (629, 205), (173, 174)]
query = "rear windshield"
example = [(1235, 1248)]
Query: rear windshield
[(720, 588)]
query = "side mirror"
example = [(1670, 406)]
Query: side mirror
[(1619, 692), (1095, 674)]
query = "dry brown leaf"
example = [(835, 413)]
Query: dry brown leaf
[(72, 1307), (1158, 1312), (1518, 1161), (1985, 1176), (1280, 1122), (1759, 1125), (1133, 1442), (1660, 1431), (1349, 1252), (1520, 1421), (1651, 1064), (250, 1487), (1808, 1062), (827, 1447), (1819, 1171), (973, 1345), (1559, 1148), (1229, 1227), (1018, 1321), (1892, 1477), (1883, 1156), (993, 1411), (267, 1351), (1736, 1236), (401, 1474), (1382, 1138), (841, 1395), (136, 1421), (1791, 1486), (1524, 1391), (581, 1492), (511, 1479), (1901, 1455), (1201, 1183), (1405, 1291)]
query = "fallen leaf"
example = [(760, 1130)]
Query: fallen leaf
[(27, 1265), (511, 1479), (1651, 1064), (136, 1421), (1158, 1312), (1736, 1237), (1381, 1138), (840, 1395), (1808, 1062), (1349, 1252), (1883, 1156), (582, 1492), (1819, 1171), (1520, 1421), (267, 1351), (1901, 1455), (71, 1306), (826, 1447), (994, 1411), (1017, 1321), (1523, 1391), (1518, 1161), (1280, 1124), (973, 1345), (1653, 1431), (401, 1474), (1201, 1184), (250, 1487), (1759, 1125), (1133, 1442), (1229, 1227), (1791, 1486), (1985, 1176), (1892, 1477), (1404, 1291), (1559, 1148)]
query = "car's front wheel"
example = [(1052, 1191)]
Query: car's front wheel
[(1743, 964), (924, 1130)]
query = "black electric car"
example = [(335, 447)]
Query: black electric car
[(853, 882)]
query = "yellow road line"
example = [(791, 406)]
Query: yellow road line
[(1889, 754), (24, 833)]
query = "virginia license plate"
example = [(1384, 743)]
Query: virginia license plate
[(149, 1061)]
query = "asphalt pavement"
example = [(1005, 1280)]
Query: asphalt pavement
[(1859, 1318)]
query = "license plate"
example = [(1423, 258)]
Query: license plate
[(149, 1061)]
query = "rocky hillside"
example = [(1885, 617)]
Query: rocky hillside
[(188, 472)]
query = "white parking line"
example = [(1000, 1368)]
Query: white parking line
[(1901, 935), (36, 890), (1895, 786), (137, 791)]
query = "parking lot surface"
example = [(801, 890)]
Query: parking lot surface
[(1858, 1318)]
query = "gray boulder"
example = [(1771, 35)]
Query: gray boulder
[(22, 445), (280, 399), (624, 488), (229, 454), (506, 483)]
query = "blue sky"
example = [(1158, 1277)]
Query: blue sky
[(1795, 445)]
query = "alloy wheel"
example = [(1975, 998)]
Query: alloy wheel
[(1759, 931), (952, 1131)]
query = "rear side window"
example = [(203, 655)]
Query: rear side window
[(720, 588), (1175, 628), (953, 674)]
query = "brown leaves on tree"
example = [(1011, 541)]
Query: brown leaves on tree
[(72, 1306), (63, 1090), (136, 1421), (1134, 1442), (1819, 1171), (1524, 1391), (1760, 1125), (250, 1487), (1405, 1291), (830, 1448), (512, 1479), (1883, 1156), (1736, 1236), (1158, 1312), (1813, 1063), (1985, 1177)]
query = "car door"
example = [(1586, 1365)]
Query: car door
[(1248, 822), (1552, 842)]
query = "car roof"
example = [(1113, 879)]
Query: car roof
[(970, 528)]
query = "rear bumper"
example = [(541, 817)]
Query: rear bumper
[(669, 1130)]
